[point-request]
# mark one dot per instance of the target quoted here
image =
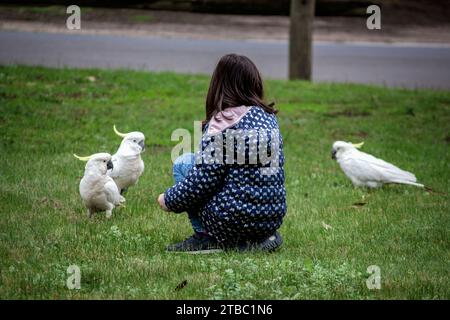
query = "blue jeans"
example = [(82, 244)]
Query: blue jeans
[(181, 167)]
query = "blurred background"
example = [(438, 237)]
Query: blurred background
[(412, 48)]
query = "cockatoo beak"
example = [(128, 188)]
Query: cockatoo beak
[(358, 145), (333, 154), (109, 165), (120, 134), (142, 145)]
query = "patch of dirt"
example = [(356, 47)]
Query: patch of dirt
[(8, 95), (80, 113), (361, 134), (430, 190), (350, 113)]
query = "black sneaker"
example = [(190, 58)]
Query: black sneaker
[(196, 244), (270, 244)]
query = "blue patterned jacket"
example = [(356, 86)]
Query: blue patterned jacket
[(238, 192)]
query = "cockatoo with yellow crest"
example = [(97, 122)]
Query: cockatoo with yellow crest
[(127, 161), (364, 170), (99, 191)]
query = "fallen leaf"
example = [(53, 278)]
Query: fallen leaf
[(43, 200), (359, 204), (181, 285), (92, 78), (326, 226)]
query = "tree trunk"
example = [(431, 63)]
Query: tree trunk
[(300, 39)]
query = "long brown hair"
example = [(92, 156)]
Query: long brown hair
[(235, 82)]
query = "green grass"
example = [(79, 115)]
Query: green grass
[(54, 11), (47, 114), (141, 18), (42, 9)]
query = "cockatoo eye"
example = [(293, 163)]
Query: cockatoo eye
[(134, 141)]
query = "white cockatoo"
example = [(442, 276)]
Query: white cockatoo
[(128, 165), (99, 191), (364, 170)]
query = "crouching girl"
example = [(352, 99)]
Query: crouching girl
[(233, 188)]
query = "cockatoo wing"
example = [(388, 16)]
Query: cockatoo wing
[(368, 168), (359, 170), (141, 167), (112, 192), (115, 172)]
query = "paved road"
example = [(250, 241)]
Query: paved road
[(407, 65)]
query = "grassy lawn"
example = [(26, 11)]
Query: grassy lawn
[(46, 115)]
